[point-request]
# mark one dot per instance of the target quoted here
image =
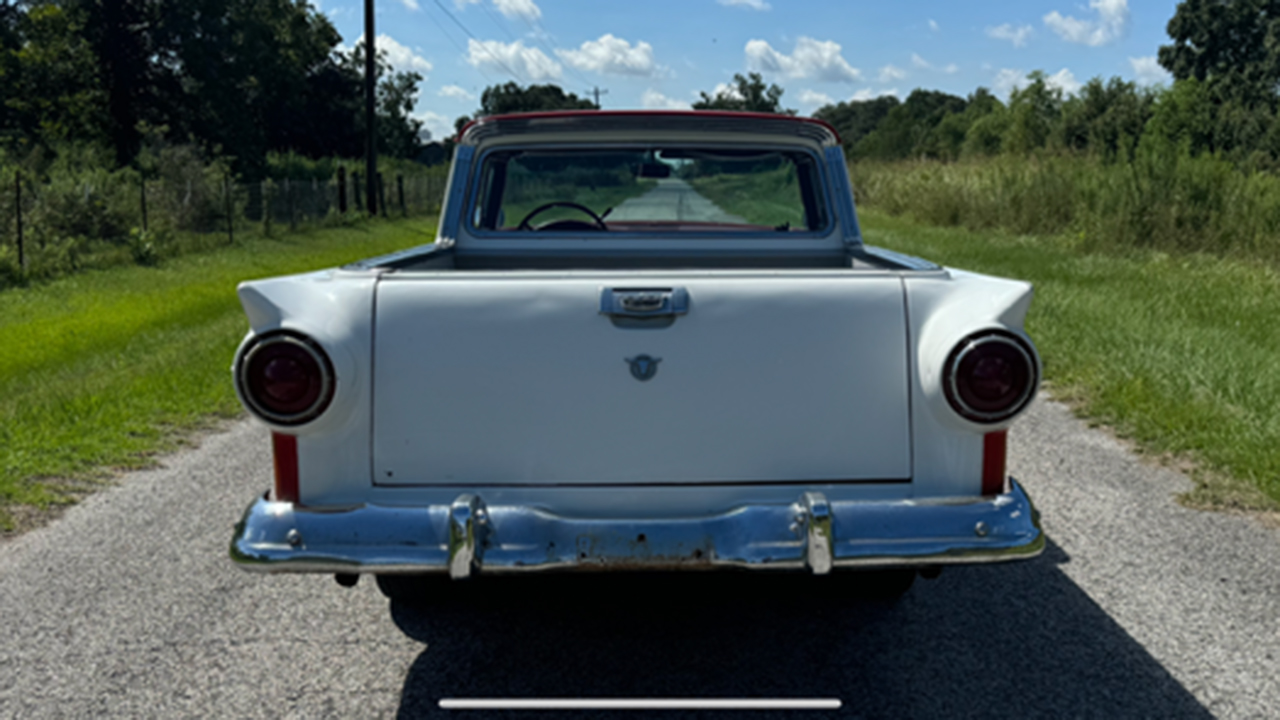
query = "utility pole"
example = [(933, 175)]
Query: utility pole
[(597, 92), (371, 134)]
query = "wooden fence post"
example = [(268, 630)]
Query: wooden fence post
[(17, 207), (382, 195), (400, 191), (342, 190), (226, 193), (266, 207), (288, 204), (355, 183)]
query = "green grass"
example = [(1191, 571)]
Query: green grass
[(1177, 352), (771, 198), (105, 368), (1162, 199)]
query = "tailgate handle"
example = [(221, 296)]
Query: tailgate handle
[(644, 302)]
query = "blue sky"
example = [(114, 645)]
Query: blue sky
[(662, 53)]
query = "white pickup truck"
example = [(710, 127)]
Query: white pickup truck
[(640, 340)]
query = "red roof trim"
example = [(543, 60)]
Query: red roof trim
[(553, 114)]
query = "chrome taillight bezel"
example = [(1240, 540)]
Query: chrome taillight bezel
[(297, 342), (972, 343)]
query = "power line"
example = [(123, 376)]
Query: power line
[(454, 42), (484, 47), (538, 32), (494, 19)]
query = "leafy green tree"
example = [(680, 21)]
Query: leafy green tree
[(948, 137), (49, 90), (395, 97), (1104, 119), (1234, 45), (512, 98), (906, 131), (121, 34), (856, 119), (746, 94), (1033, 112)]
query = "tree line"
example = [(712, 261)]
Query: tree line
[(1223, 101), (239, 79)]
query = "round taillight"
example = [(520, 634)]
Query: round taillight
[(285, 378), (990, 377)]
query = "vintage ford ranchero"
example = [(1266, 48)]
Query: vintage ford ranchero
[(640, 340)]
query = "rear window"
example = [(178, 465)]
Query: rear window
[(666, 189)]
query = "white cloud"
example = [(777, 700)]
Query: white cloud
[(921, 63), (1065, 81), (814, 98), (411, 4), (889, 73), (1149, 72), (528, 64), (402, 58), (933, 25), (816, 59), (726, 90), (611, 55), (1113, 16), (438, 125), (1008, 80), (455, 92), (523, 9), (753, 4), (868, 94), (654, 100), (1016, 35)]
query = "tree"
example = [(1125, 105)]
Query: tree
[(1231, 44), (1104, 119), (856, 119), (399, 133), (511, 98), (747, 94), (1033, 112), (47, 69), (907, 129), (121, 34)]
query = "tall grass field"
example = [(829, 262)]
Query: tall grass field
[(1162, 199), (1177, 351), (104, 368)]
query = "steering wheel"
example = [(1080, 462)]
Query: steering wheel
[(567, 224)]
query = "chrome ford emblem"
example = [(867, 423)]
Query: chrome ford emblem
[(643, 367)]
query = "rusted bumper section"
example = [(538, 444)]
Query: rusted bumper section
[(468, 537)]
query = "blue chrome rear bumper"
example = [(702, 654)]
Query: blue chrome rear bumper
[(469, 536)]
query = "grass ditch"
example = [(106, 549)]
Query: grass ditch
[(101, 370), (1177, 352)]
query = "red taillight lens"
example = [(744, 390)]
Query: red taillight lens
[(286, 378), (990, 377)]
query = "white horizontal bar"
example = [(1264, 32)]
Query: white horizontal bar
[(639, 704)]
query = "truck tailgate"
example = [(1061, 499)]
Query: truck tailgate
[(502, 379)]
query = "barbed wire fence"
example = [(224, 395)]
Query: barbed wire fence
[(53, 227)]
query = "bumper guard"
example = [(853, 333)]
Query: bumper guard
[(467, 537)]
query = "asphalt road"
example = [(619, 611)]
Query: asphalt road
[(128, 607), (676, 200)]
